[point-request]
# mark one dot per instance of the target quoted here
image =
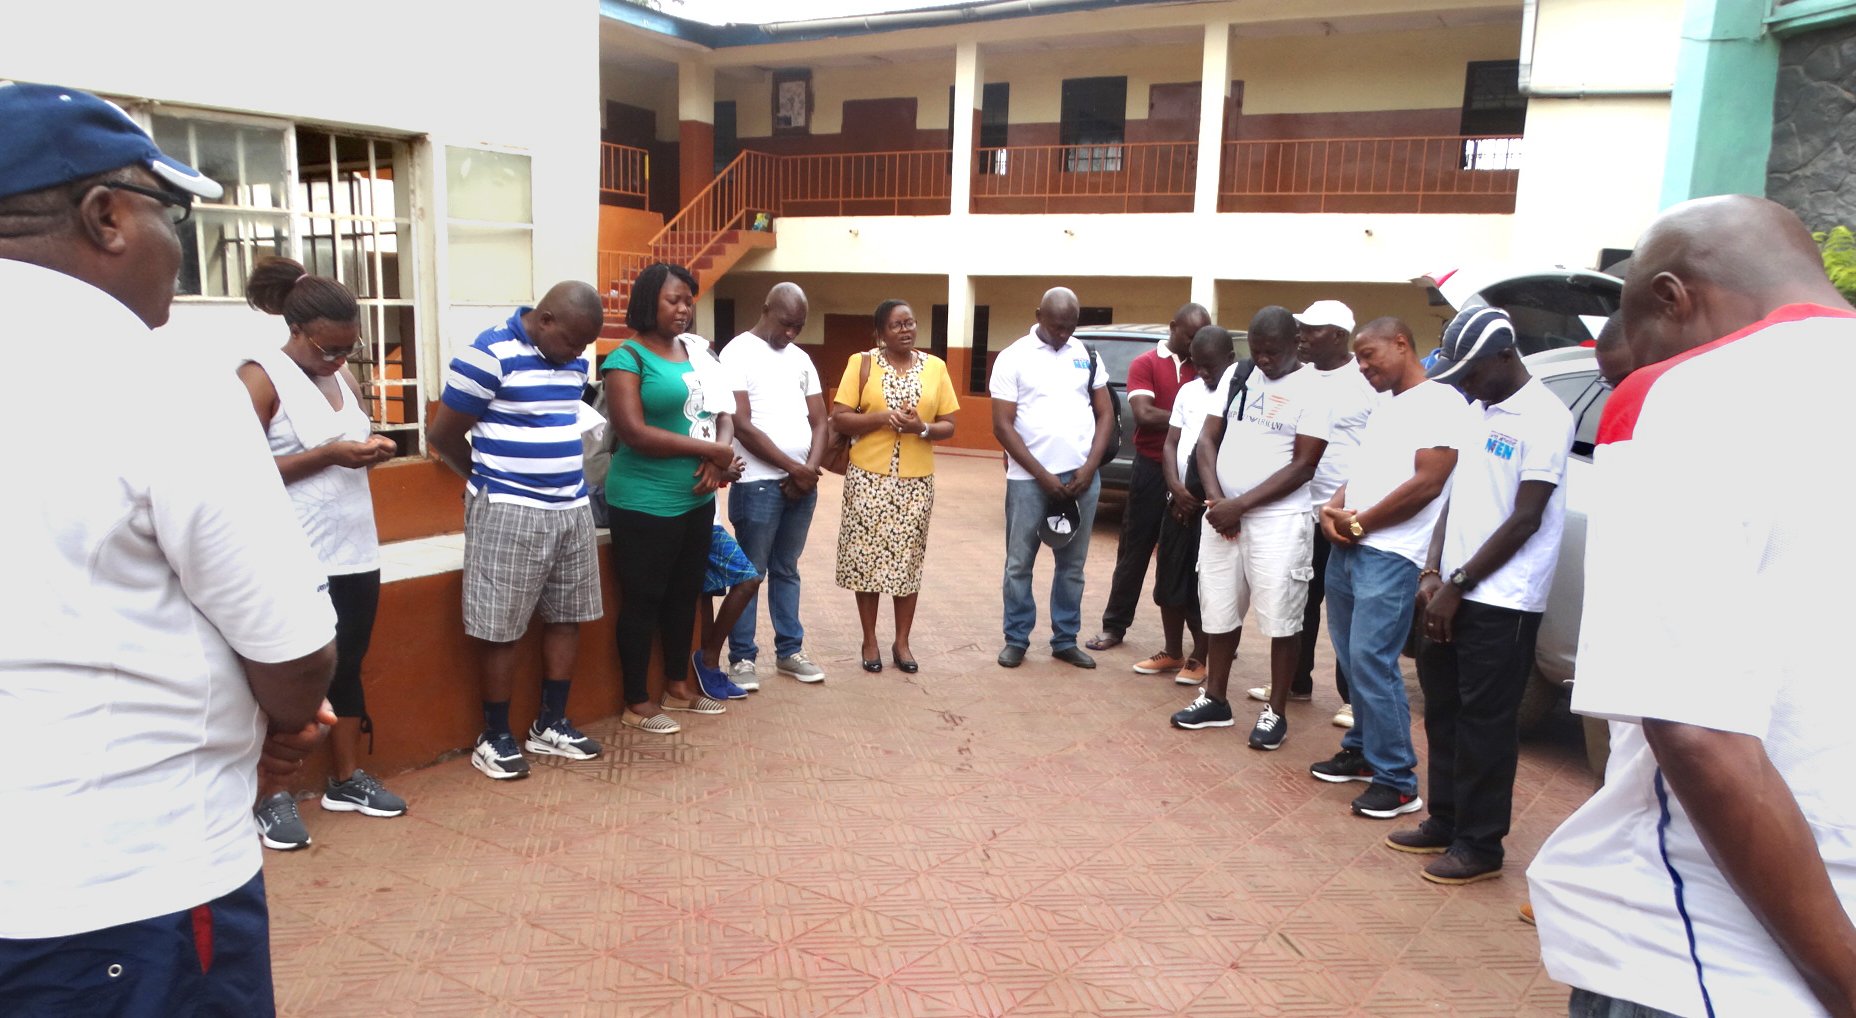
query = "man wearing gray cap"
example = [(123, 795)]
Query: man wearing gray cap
[(1482, 592), (165, 610)]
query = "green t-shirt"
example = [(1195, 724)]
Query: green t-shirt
[(673, 401)]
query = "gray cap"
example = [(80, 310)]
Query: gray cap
[(1473, 334)]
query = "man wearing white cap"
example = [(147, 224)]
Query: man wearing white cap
[(165, 610), (1482, 591), (1325, 338)]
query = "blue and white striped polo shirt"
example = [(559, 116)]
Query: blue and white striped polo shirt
[(525, 447)]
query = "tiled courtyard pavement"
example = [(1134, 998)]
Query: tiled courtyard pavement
[(965, 841)]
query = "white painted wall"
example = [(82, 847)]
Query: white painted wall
[(1279, 246), (1594, 163), (527, 83)]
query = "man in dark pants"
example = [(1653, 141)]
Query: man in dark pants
[(1483, 588), (1154, 379)]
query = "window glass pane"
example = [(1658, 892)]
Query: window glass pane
[(491, 187), (248, 161), (490, 264), (218, 250)]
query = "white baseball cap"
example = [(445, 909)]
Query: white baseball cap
[(1327, 312)]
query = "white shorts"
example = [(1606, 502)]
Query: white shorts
[(1268, 566)]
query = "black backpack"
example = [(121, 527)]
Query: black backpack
[(1114, 407), (1240, 387)]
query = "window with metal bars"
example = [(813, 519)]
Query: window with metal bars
[(339, 202)]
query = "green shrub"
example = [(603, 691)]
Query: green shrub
[(1838, 246)]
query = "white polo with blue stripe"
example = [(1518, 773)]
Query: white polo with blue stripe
[(525, 448)]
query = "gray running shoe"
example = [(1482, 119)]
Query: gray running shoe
[(279, 824), (800, 667), (364, 794)]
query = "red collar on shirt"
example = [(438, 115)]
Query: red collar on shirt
[(1619, 421)]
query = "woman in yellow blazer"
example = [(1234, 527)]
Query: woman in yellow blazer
[(905, 404)]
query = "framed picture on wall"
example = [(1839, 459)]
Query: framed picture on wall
[(792, 101)]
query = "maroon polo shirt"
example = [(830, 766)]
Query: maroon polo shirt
[(1159, 374)]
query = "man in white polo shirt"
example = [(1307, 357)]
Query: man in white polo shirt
[(1051, 413), (1256, 461), (1380, 523), (164, 611), (1715, 871), (1482, 591), (780, 434)]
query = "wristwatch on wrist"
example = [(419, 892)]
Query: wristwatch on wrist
[(1461, 580), (1354, 528), (925, 427)]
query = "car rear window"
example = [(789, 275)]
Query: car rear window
[(1117, 353)]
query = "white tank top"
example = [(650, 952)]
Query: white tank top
[(333, 506)]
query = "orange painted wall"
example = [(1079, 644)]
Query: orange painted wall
[(623, 229), (416, 498), (421, 677)]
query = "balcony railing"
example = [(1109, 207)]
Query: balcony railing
[(914, 183), (625, 174), (1153, 176), (617, 269), (1470, 173), (744, 187)]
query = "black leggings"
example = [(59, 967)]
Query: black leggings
[(356, 598), (658, 562)]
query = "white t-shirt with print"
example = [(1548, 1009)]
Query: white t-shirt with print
[(1428, 415), (1260, 430), (1351, 401), (1056, 417), (777, 383), (1523, 438)]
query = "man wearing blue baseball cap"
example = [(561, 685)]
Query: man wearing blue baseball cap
[(1482, 592), (167, 630)]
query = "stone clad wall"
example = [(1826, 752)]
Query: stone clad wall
[(1812, 169)]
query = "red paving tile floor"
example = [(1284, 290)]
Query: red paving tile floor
[(964, 841)]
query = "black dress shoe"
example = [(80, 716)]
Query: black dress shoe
[(909, 666), (1011, 657), (873, 664), (1074, 655)]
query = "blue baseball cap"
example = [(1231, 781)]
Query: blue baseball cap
[(1473, 334), (51, 135)]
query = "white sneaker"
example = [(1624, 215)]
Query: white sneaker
[(1343, 718), (1261, 694), (742, 674)]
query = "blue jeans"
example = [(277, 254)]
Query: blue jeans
[(1024, 510), (1371, 596), (772, 530)]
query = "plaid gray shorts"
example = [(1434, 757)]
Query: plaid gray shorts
[(519, 560)]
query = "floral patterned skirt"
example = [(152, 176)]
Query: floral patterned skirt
[(884, 532)]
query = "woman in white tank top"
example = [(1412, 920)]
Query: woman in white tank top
[(311, 411)]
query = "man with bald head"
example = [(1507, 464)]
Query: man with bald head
[(1051, 413), (1715, 871), (508, 422), (1154, 380), (780, 435)]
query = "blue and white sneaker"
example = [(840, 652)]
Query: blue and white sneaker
[(561, 738), (498, 758), (714, 681)]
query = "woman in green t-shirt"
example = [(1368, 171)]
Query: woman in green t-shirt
[(668, 396)]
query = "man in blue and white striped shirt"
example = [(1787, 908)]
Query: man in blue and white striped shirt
[(509, 422)]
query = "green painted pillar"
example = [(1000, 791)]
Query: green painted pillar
[(1720, 116)]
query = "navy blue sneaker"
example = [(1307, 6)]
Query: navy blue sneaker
[(715, 682)]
